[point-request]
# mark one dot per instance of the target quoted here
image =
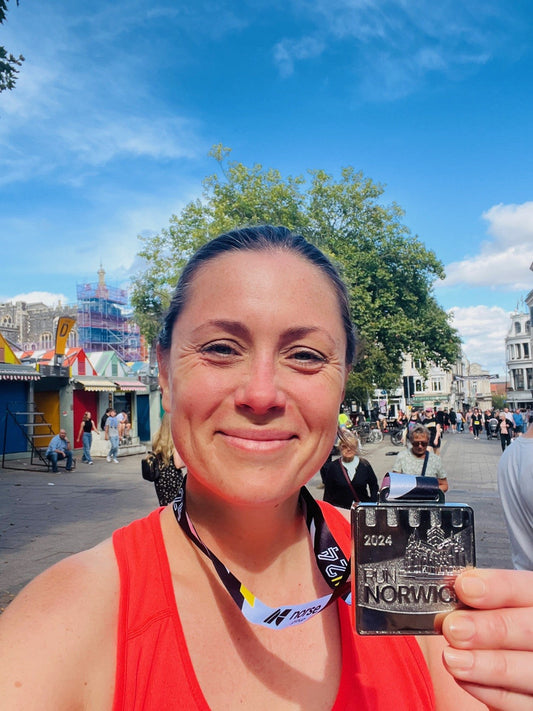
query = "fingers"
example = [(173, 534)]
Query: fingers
[(491, 589), (498, 674), (508, 628)]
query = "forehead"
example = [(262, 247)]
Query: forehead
[(235, 282)]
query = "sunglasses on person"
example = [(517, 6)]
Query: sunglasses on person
[(420, 444)]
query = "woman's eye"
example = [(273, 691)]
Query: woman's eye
[(308, 358), (219, 349)]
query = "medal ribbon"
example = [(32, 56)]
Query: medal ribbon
[(332, 563)]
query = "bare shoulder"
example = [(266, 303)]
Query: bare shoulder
[(58, 637), (449, 696)]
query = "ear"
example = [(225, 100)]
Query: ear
[(163, 358)]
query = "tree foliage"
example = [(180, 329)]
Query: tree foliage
[(388, 271), (8, 62)]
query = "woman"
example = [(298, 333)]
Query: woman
[(166, 466), (419, 460), (349, 478), (505, 430), (85, 434), (477, 422), (254, 358), (435, 430)]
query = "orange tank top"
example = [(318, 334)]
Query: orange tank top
[(154, 670)]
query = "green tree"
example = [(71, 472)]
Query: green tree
[(8, 62), (388, 271), (498, 401)]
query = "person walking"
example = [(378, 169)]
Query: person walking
[(477, 422), (505, 430), (111, 434), (85, 434), (419, 460), (349, 478)]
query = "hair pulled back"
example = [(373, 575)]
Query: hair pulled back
[(261, 238)]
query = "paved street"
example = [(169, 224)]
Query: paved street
[(45, 517)]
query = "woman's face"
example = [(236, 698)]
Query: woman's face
[(255, 375), (347, 452), (419, 444)]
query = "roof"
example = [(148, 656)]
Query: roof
[(96, 383), (131, 385), (12, 371)]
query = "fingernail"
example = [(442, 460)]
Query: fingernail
[(459, 659), (473, 586), (462, 627)]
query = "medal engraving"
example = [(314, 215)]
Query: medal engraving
[(406, 557)]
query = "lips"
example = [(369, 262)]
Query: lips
[(257, 440)]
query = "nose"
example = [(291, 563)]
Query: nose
[(260, 391)]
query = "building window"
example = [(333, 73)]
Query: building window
[(114, 369), (418, 386), (528, 326), (529, 377), (525, 347), (45, 340), (436, 385), (517, 327), (518, 379)]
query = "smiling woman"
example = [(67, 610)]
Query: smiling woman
[(237, 594)]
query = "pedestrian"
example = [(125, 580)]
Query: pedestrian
[(85, 434), (518, 422), (349, 478), (164, 466), (459, 421), (505, 430), (254, 358), (419, 460), (453, 420), (104, 418), (433, 423), (58, 449), (477, 422), (111, 434), (515, 485)]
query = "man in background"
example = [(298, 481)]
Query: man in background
[(111, 434), (59, 448)]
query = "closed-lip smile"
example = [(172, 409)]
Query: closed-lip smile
[(257, 440)]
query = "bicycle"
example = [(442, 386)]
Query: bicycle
[(396, 436)]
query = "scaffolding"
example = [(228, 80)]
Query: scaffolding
[(104, 323)]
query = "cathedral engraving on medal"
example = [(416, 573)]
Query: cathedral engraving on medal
[(406, 559)]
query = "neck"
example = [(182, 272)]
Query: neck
[(529, 432), (251, 536)]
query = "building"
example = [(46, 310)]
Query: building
[(104, 322), (519, 358), (32, 326)]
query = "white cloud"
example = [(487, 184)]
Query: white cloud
[(504, 259), (35, 297), (396, 44), (483, 330), (287, 52)]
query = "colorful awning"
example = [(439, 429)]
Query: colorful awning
[(96, 383), (12, 371), (131, 385)]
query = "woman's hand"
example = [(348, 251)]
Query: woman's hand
[(491, 646)]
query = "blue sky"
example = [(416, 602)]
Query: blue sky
[(107, 132)]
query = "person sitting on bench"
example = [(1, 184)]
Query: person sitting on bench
[(59, 448)]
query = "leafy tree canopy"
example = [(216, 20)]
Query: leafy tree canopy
[(388, 271), (8, 63)]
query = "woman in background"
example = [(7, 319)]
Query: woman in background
[(85, 434), (166, 468)]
